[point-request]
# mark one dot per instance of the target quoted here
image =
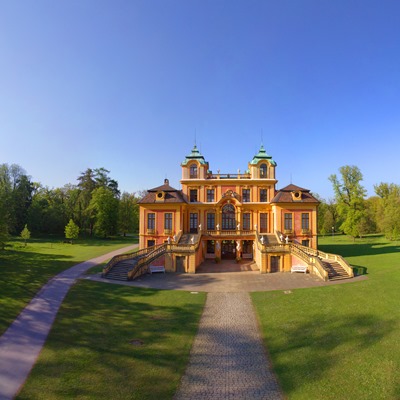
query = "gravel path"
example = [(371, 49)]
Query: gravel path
[(228, 359), (21, 344)]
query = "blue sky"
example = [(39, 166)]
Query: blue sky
[(129, 85)]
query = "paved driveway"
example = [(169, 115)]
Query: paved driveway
[(238, 280)]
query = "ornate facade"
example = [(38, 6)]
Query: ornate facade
[(228, 216)]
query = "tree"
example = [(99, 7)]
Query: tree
[(25, 234), (89, 181), (71, 231), (388, 209), (15, 196), (328, 217), (104, 208), (128, 213), (349, 195)]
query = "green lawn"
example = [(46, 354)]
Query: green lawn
[(92, 350), (24, 270), (341, 341)]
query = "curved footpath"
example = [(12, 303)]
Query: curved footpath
[(22, 342)]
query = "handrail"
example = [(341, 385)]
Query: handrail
[(127, 256), (220, 232), (157, 251), (328, 256), (310, 259), (138, 269), (268, 248)]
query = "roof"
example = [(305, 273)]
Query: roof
[(172, 195), (262, 155), (285, 195), (194, 155)]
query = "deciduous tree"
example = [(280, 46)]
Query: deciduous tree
[(104, 208), (71, 230), (349, 195), (25, 234), (388, 210)]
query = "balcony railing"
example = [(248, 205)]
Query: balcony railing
[(238, 232)]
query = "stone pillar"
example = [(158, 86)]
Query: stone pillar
[(264, 267), (286, 262), (170, 264), (191, 267)]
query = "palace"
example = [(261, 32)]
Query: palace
[(229, 216)]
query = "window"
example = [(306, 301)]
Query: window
[(246, 195), (288, 221), (193, 218), (228, 217), (263, 195), (193, 171), (305, 242), (151, 243), (210, 221), (210, 195), (263, 171), (151, 221), (246, 221), (263, 222), (168, 221), (193, 195), (305, 221), (210, 246)]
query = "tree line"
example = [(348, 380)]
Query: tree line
[(94, 204), (352, 213)]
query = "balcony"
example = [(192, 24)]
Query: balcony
[(151, 231)]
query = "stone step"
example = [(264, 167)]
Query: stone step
[(335, 270)]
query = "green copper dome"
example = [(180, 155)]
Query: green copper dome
[(194, 155), (262, 155)]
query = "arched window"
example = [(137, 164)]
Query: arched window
[(193, 171), (228, 217), (263, 170)]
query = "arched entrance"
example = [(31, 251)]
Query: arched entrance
[(228, 250), (228, 217)]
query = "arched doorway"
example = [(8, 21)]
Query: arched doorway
[(228, 217), (228, 250)]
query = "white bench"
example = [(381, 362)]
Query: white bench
[(299, 268), (156, 268)]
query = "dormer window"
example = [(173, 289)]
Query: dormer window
[(160, 196), (263, 171), (296, 195), (193, 171)]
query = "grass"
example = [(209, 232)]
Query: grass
[(340, 341), (89, 353), (24, 270)]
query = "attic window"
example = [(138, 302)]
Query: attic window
[(160, 196), (296, 195)]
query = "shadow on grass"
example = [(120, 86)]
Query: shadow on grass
[(22, 274), (359, 248), (305, 353), (91, 350)]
